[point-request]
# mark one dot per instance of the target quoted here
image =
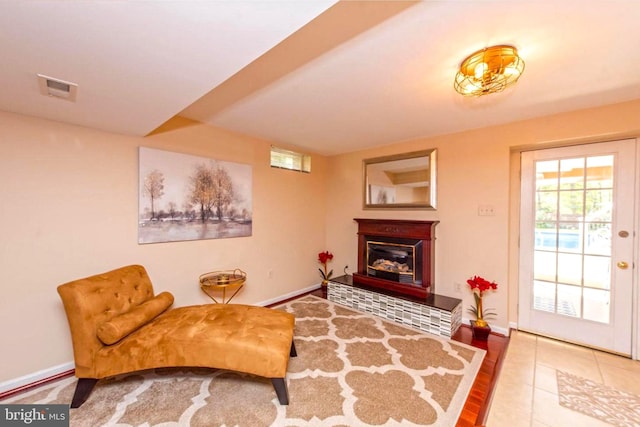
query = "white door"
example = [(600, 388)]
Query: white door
[(576, 244)]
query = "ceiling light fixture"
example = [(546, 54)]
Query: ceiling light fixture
[(488, 71)]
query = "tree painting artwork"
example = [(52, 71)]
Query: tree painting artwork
[(185, 197)]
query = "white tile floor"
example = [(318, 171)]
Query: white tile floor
[(527, 393)]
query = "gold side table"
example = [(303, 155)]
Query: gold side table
[(222, 281)]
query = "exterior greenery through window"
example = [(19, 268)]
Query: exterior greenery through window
[(286, 159), (573, 236)]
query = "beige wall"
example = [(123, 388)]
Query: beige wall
[(69, 206), (474, 168)]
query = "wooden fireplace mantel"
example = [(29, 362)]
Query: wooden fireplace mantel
[(401, 229)]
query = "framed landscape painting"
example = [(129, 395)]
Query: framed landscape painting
[(185, 197)]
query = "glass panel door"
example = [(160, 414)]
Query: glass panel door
[(572, 252), (576, 243)]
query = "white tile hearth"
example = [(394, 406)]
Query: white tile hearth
[(420, 315)]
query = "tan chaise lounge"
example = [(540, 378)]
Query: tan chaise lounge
[(119, 326)]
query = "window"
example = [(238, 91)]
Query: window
[(286, 159)]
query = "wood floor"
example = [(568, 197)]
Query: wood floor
[(476, 408)]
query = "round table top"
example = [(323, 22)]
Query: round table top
[(224, 278)]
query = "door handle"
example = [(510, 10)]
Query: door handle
[(622, 265)]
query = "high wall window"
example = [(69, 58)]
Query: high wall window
[(286, 159)]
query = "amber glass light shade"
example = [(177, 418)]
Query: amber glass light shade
[(488, 71)]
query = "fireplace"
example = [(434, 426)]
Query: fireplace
[(396, 255), (398, 260)]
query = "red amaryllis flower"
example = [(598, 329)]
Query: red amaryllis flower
[(477, 282), (479, 285), (324, 258)]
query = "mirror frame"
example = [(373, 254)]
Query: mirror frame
[(430, 204)]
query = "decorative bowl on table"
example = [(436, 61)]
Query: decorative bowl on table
[(235, 277)]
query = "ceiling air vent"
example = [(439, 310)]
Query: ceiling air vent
[(50, 86)]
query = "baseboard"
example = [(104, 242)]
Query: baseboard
[(17, 385), (288, 296), (496, 329), (503, 331)]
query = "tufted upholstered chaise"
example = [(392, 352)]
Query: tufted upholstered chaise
[(119, 326)]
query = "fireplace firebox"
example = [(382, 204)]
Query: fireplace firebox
[(396, 255)]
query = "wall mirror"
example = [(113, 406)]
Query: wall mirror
[(401, 181)]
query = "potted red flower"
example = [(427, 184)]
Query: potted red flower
[(324, 258), (479, 286)]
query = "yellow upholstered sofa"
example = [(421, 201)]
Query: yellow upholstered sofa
[(118, 325)]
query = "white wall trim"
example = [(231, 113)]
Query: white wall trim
[(65, 367), (498, 329), (17, 383), (635, 301), (289, 295), (35, 377)]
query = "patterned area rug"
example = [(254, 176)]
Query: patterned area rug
[(598, 401), (352, 369)]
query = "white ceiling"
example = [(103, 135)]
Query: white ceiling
[(326, 77)]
